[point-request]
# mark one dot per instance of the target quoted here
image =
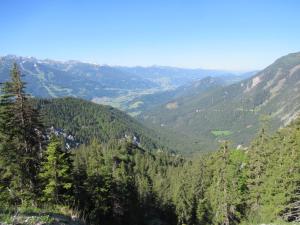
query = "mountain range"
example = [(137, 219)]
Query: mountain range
[(233, 112), (191, 109), (117, 86)]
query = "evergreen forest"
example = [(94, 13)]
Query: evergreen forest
[(121, 173)]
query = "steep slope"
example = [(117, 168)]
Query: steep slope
[(86, 121), (233, 112)]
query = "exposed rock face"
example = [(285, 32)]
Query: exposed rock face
[(42, 219)]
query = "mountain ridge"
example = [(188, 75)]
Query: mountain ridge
[(233, 111), (86, 121), (113, 85)]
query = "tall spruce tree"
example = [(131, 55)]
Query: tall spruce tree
[(227, 189), (20, 133), (292, 176), (56, 173), (259, 156)]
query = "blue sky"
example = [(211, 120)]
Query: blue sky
[(232, 34)]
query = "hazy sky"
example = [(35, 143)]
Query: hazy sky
[(235, 35)]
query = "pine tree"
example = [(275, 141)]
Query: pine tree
[(227, 189), (292, 173), (259, 156), (56, 173), (20, 134), (223, 182), (93, 183), (280, 189)]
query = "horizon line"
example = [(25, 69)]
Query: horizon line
[(131, 66)]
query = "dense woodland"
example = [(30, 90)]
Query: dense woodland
[(113, 181), (87, 121)]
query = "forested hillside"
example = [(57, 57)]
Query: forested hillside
[(233, 112), (111, 180), (158, 112), (88, 121)]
